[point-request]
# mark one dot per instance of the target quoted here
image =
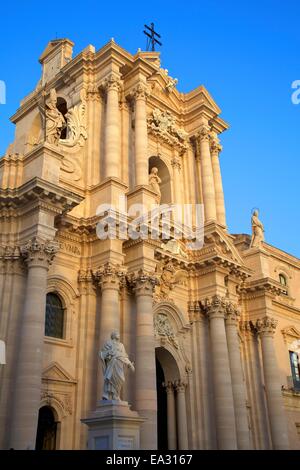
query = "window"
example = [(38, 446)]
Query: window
[(283, 282), (295, 366), (54, 322)]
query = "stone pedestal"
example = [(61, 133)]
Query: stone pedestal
[(113, 426)]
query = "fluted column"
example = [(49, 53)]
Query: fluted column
[(112, 165), (215, 149), (145, 370), (208, 185), (141, 135), (181, 415), (224, 408), (38, 255), (171, 414), (266, 329), (238, 385)]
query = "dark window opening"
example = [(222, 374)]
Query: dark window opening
[(54, 322), (295, 366), (63, 109), (47, 429)]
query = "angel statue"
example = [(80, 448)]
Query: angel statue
[(55, 121), (257, 230), (114, 358), (154, 181)]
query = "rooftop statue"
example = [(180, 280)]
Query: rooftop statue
[(257, 230)]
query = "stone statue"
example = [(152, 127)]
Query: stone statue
[(114, 358), (154, 181), (55, 121), (257, 230)]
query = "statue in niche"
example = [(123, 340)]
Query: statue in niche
[(55, 121), (114, 358), (257, 230), (154, 181)]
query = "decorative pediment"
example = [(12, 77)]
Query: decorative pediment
[(56, 373), (290, 333), (223, 245)]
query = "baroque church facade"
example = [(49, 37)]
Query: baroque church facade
[(214, 332)]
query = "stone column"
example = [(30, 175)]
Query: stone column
[(237, 379), (109, 278), (38, 255), (208, 186), (181, 415), (145, 368), (112, 128), (277, 418), (141, 135), (171, 413), (224, 408), (215, 149)]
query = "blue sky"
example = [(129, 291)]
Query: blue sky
[(247, 54)]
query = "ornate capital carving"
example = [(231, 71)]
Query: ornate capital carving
[(112, 82), (110, 276), (169, 386), (143, 283), (39, 252), (176, 163), (215, 146), (232, 314), (266, 326), (215, 306), (204, 133), (140, 91), (11, 260), (180, 386)]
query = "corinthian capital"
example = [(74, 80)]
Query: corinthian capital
[(143, 283), (203, 133), (112, 82), (266, 326), (110, 276), (215, 145), (140, 91), (214, 306), (39, 252), (180, 386), (232, 314)]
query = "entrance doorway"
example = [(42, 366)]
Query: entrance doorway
[(47, 429), (162, 426)]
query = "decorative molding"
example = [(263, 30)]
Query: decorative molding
[(169, 278), (290, 332), (162, 124), (164, 329)]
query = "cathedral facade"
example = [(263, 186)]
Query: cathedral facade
[(213, 330)]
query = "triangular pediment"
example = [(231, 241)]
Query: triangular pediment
[(56, 372), (201, 96), (223, 245), (291, 331)]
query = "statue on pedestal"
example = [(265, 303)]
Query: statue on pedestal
[(54, 120), (114, 358), (257, 230), (154, 181)]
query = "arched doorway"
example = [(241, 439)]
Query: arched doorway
[(47, 430), (167, 377), (162, 418)]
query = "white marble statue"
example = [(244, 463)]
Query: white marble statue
[(257, 230), (154, 181), (114, 358)]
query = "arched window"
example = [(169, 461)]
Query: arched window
[(282, 280), (62, 107), (54, 322)]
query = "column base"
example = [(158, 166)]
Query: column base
[(113, 426)]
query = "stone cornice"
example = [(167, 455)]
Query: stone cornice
[(39, 190), (264, 286)]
